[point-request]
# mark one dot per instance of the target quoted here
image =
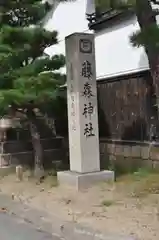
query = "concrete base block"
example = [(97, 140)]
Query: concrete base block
[(81, 181), (4, 171)]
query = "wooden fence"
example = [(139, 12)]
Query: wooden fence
[(126, 107)]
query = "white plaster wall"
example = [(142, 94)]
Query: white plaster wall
[(114, 53)]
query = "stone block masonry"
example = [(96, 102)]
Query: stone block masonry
[(130, 155)]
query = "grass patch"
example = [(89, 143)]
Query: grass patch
[(51, 178), (142, 173), (147, 185), (107, 203), (52, 172), (140, 183), (51, 181)]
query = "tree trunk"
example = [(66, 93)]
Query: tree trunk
[(146, 18), (37, 147)]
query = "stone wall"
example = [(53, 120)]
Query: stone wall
[(129, 155), (124, 155), (20, 152)]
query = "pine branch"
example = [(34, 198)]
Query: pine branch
[(27, 75), (147, 37), (155, 2)]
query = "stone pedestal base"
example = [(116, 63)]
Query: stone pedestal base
[(85, 180)]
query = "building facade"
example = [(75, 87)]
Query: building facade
[(126, 101)]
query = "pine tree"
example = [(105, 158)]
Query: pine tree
[(148, 37), (27, 75)]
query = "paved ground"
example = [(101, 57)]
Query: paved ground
[(19, 222), (11, 228)]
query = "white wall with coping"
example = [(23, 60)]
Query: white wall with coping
[(114, 52)]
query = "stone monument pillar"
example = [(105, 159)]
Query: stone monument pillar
[(82, 114)]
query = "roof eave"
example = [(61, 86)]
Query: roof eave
[(106, 20)]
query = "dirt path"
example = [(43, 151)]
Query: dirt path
[(128, 207)]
